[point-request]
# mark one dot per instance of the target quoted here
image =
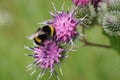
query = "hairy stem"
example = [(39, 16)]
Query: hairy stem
[(87, 43)]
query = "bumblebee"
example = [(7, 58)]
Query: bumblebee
[(46, 32)]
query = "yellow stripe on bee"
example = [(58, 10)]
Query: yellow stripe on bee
[(52, 30), (38, 39)]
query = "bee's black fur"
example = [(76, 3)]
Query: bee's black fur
[(47, 30)]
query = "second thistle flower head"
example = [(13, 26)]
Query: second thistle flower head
[(47, 55)]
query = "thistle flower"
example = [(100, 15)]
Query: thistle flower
[(65, 25), (111, 23), (46, 56), (80, 2)]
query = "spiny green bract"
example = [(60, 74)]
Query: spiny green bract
[(111, 23), (114, 5), (102, 10), (88, 10)]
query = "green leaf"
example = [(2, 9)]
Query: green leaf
[(115, 42)]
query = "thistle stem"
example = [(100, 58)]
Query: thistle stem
[(87, 43)]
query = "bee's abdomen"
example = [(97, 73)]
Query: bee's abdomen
[(38, 40)]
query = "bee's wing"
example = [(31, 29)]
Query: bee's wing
[(31, 37)]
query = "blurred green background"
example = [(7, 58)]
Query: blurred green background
[(19, 18)]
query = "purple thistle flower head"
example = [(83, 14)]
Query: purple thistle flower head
[(47, 55), (65, 25), (81, 2)]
